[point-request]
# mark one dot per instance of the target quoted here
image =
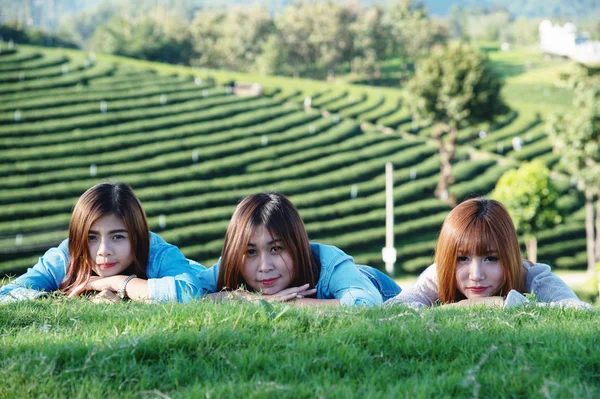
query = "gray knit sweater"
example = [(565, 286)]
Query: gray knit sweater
[(548, 288)]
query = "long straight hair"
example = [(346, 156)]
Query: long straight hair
[(102, 200), (279, 216), (475, 227)]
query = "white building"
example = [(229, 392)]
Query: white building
[(565, 41)]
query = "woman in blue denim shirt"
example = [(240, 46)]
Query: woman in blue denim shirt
[(267, 250), (110, 251)]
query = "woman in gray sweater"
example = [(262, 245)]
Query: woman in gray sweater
[(478, 262)]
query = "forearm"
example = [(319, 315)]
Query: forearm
[(136, 289)]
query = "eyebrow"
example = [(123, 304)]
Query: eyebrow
[(489, 252), (251, 244), (110, 232)]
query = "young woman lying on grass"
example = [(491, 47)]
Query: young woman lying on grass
[(478, 262), (110, 251), (266, 250)]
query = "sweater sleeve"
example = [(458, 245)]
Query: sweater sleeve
[(549, 288), (423, 293), (351, 287), (172, 277), (45, 276)]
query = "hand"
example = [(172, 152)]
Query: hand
[(106, 296), (289, 294), (490, 301), (281, 296), (97, 283)]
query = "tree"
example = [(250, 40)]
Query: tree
[(272, 58), (317, 36), (530, 198), (453, 88), (414, 33), (576, 138), (243, 33), (372, 40), (206, 30)]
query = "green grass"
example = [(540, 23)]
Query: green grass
[(62, 348)]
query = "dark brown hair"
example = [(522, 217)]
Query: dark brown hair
[(279, 216), (475, 227), (102, 200)]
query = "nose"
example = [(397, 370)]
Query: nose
[(266, 264), (476, 270), (104, 248)]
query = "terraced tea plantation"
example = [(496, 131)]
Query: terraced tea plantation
[(192, 149)]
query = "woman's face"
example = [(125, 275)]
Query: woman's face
[(268, 265), (110, 246), (479, 276)]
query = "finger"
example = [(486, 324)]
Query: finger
[(77, 290), (310, 292), (293, 290)]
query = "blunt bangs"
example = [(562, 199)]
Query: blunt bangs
[(477, 238)]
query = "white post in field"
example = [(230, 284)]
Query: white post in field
[(389, 252)]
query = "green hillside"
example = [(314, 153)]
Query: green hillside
[(192, 149)]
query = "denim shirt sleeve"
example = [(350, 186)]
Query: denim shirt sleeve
[(45, 276), (172, 277), (208, 279), (351, 287)]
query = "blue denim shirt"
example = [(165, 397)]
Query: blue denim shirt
[(171, 276), (340, 278)]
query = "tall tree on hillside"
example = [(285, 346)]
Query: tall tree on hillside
[(295, 25), (372, 32), (530, 197), (273, 56), (413, 31), (244, 31), (575, 137), (453, 88), (206, 30), (317, 36)]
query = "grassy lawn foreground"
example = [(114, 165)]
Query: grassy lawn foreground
[(59, 348)]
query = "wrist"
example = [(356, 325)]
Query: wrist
[(122, 291)]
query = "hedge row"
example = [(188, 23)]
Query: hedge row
[(63, 81), (41, 73), (63, 188), (164, 154), (386, 109), (328, 98), (109, 117), (86, 108), (33, 63), (141, 131)]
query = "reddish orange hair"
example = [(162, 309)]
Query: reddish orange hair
[(476, 227)]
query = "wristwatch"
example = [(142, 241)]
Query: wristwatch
[(121, 292)]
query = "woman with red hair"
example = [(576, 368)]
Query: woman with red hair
[(478, 262)]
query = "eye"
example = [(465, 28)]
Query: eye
[(251, 252), (118, 237), (92, 237), (491, 259), (276, 249), (462, 259)]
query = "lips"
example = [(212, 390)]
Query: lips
[(478, 290), (269, 282), (106, 265)]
